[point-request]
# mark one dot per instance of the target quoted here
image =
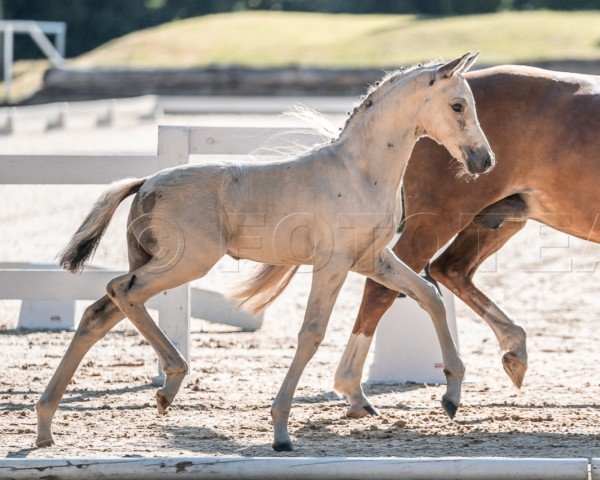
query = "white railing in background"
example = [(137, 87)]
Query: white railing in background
[(175, 147), (252, 105), (37, 31), (80, 114)]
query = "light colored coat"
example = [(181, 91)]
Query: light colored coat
[(335, 207)]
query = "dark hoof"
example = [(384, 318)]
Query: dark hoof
[(514, 367), (161, 401), (44, 443), (283, 447), (449, 407), (370, 410)]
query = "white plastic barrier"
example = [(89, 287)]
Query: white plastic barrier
[(595, 463), (37, 314), (406, 346), (301, 468), (47, 284)]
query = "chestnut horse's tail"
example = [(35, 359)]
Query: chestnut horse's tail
[(263, 287), (86, 239)]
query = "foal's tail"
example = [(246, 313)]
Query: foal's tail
[(86, 239), (265, 285)]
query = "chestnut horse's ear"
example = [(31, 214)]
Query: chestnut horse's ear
[(455, 66)]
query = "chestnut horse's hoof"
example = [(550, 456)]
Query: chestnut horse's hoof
[(449, 407), (283, 447), (161, 401), (362, 411), (514, 367)]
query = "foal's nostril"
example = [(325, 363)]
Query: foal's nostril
[(488, 161)]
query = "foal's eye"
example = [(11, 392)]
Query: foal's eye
[(457, 107)]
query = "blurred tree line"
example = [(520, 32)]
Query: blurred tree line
[(93, 22)]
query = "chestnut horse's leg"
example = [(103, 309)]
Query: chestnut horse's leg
[(97, 320), (455, 269), (420, 240), (375, 302)]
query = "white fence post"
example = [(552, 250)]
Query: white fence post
[(8, 61), (174, 320), (595, 468), (60, 40), (174, 305), (44, 314)]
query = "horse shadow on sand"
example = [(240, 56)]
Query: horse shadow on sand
[(371, 437), (370, 389), (75, 396), (363, 441)]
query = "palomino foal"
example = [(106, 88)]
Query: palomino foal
[(335, 207)]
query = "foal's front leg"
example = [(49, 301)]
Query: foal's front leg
[(326, 284), (394, 274), (455, 269)]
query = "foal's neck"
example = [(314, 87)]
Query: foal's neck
[(380, 142)]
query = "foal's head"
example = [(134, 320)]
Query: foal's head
[(448, 115)]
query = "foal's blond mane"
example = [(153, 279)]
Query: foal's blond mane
[(330, 133)]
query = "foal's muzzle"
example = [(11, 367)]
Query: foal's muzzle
[(479, 161)]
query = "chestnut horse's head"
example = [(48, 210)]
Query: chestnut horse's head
[(449, 117)]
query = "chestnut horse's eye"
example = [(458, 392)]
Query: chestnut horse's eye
[(457, 107)]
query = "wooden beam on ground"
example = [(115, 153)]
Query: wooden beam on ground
[(305, 468)]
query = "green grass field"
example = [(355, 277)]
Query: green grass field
[(312, 39), (262, 39)]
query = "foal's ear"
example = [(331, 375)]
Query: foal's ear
[(470, 62), (455, 66)]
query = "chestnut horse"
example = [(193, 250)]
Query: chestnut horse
[(544, 127)]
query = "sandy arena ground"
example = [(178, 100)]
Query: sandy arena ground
[(545, 280)]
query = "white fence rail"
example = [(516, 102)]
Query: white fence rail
[(175, 146), (252, 105), (89, 113)]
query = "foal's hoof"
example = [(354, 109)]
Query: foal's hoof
[(283, 447), (162, 402), (449, 407), (44, 442), (360, 412), (514, 367)]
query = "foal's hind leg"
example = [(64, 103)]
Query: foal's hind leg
[(131, 291), (394, 274), (455, 269), (97, 320)]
